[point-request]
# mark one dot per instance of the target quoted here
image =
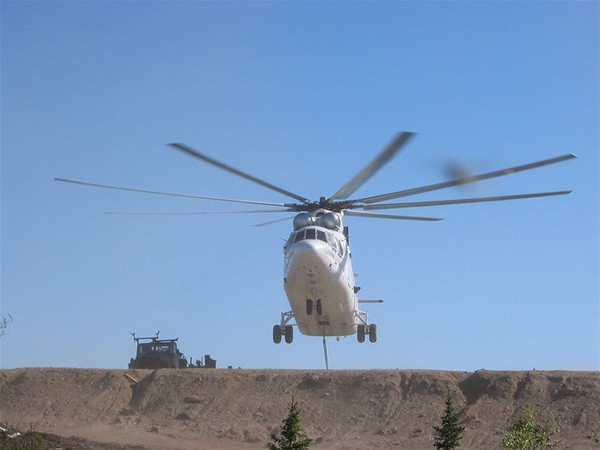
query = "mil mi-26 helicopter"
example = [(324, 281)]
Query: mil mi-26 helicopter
[(319, 281)]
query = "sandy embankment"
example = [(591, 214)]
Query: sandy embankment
[(238, 409)]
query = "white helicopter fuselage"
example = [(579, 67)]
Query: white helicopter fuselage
[(318, 277)]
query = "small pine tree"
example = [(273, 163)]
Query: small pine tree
[(524, 434), (292, 436), (448, 436)]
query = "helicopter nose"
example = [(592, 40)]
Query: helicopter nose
[(310, 253)]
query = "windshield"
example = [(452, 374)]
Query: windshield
[(145, 349), (311, 233), (316, 234)]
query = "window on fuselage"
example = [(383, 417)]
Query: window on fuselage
[(331, 240), (310, 233), (321, 236), (289, 242), (341, 248)]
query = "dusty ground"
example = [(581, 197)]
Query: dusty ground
[(239, 409)]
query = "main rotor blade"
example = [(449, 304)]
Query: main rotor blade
[(264, 224), (188, 213), (459, 201), (464, 180), (389, 216), (369, 170), (172, 194), (237, 172)]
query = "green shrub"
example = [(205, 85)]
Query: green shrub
[(524, 434), (25, 441)]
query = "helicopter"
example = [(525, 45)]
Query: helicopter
[(319, 280)]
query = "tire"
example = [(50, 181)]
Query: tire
[(289, 334), (360, 333), (277, 334), (372, 333)]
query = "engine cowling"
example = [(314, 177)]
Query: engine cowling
[(303, 220), (331, 221)]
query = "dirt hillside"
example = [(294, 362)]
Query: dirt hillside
[(238, 409)]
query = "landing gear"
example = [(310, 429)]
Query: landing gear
[(364, 328), (372, 333), (287, 332), (277, 334), (284, 330), (360, 333), (310, 304)]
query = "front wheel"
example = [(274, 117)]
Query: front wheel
[(277, 334)]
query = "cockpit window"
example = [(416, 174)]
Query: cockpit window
[(332, 241), (340, 248), (315, 234)]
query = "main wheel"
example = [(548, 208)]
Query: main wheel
[(319, 307), (289, 334), (372, 333), (360, 333), (277, 334)]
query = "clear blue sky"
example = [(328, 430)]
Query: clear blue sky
[(302, 94)]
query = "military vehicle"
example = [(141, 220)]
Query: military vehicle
[(155, 353)]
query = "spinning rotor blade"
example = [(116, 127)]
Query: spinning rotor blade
[(369, 170), (264, 224), (172, 194), (389, 216), (214, 162), (465, 180), (459, 201), (187, 213)]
